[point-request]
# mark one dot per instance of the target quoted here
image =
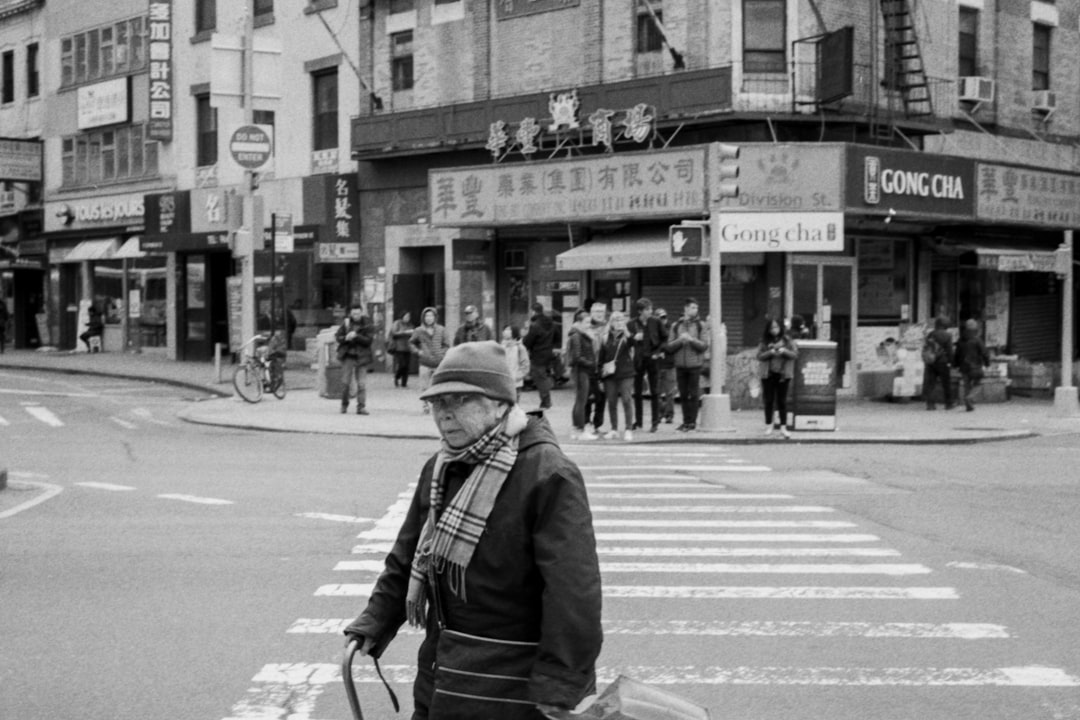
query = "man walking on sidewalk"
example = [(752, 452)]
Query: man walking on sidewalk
[(354, 352), (540, 342)]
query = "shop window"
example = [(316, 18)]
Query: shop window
[(884, 280), (764, 36), (100, 53), (33, 74), (325, 115), (401, 60), (8, 79), (206, 139), (1040, 57), (115, 154), (969, 42)]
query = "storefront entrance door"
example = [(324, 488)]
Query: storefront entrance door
[(204, 313), (822, 290)]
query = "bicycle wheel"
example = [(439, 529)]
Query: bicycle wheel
[(248, 383), (277, 386)]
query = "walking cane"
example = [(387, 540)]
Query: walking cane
[(346, 676)]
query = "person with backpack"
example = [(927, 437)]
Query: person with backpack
[(937, 354), (688, 340)]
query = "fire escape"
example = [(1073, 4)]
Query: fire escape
[(905, 84)]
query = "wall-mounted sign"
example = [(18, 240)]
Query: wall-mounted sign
[(880, 180), (20, 160), (112, 210), (788, 178), (342, 210), (778, 232), (470, 254), (168, 221), (160, 126), (1023, 195), (252, 146), (103, 103), (506, 9), (664, 183), (332, 252)]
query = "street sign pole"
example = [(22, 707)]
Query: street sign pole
[(247, 259), (1066, 402), (273, 272)]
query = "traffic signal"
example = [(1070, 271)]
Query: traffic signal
[(687, 241), (727, 171)]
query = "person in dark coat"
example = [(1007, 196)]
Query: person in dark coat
[(496, 555), (688, 339), (4, 317), (473, 329), (971, 358), (354, 352), (649, 341), (400, 334), (540, 342), (776, 354), (617, 367), (937, 356), (581, 357), (95, 327)]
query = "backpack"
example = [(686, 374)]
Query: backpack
[(932, 351)]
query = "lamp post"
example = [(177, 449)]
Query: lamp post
[(1065, 397)]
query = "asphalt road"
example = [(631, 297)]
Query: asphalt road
[(190, 572)]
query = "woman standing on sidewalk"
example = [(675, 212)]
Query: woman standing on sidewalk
[(617, 371), (776, 356)]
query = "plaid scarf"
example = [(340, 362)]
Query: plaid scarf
[(448, 545)]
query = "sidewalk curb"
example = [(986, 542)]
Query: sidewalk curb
[(125, 376)]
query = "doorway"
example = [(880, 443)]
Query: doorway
[(204, 317), (822, 290)]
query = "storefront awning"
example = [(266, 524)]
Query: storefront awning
[(91, 250), (622, 251), (1016, 260), (130, 249)]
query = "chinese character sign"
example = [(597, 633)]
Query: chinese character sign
[(1024, 195), (343, 216), (667, 183), (161, 81)]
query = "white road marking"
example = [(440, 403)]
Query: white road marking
[(334, 518), (50, 492), (638, 522), (360, 566), (985, 566), (668, 485), (739, 537), (3, 421), (195, 499), (277, 701), (310, 675), (44, 415), (105, 486), (46, 393), (123, 423), (752, 628), (704, 495), (747, 552), (769, 568), (798, 592), (25, 474), (686, 468), (380, 548), (652, 509), (720, 592), (647, 476), (147, 415)]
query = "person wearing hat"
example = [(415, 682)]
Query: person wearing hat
[(496, 559), (474, 329)]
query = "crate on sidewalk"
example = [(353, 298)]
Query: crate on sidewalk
[(1029, 379)]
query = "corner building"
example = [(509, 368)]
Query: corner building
[(523, 151)]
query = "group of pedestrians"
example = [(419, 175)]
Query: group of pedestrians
[(940, 354)]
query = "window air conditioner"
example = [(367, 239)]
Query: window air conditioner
[(1044, 101), (977, 89)]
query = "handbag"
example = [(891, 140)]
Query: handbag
[(481, 678), (607, 369)]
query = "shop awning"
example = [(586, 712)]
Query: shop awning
[(1016, 260), (92, 250), (634, 250), (130, 249)]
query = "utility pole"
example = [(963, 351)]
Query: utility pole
[(1066, 401), (252, 204)]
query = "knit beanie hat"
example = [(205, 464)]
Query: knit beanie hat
[(474, 367)]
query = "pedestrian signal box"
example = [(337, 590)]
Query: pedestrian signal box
[(687, 241)]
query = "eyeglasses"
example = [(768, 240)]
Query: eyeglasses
[(452, 401)]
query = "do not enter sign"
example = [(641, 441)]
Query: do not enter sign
[(251, 146)]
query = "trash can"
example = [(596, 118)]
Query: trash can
[(328, 372), (813, 399)]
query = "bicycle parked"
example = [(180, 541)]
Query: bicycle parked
[(260, 371)]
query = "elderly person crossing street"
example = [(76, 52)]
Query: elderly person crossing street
[(496, 559)]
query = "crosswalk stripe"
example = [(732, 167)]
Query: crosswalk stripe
[(746, 552), (647, 476), (333, 518), (769, 568), (776, 592), (312, 675), (105, 486), (638, 522), (123, 423), (44, 415), (380, 548), (751, 628), (720, 592), (360, 566), (705, 494), (738, 537), (711, 509), (195, 499), (639, 485), (686, 468)]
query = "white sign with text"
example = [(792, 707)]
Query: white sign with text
[(778, 232)]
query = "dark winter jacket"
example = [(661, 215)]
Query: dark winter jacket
[(971, 354), (400, 334), (359, 348), (652, 342), (689, 353), (472, 332), (619, 348), (581, 349), (534, 575), (430, 341), (540, 340)]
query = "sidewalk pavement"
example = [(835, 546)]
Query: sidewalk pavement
[(398, 412)]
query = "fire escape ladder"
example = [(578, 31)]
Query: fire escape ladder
[(905, 73)]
